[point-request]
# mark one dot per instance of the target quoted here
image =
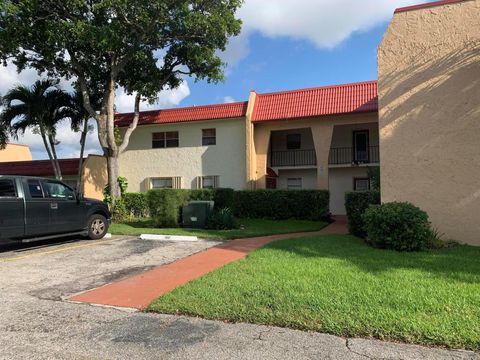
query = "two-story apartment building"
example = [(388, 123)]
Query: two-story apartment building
[(320, 138), (421, 125)]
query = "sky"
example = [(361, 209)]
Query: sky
[(284, 45)]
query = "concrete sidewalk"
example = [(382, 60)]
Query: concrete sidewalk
[(140, 290)]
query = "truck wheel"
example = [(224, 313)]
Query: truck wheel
[(97, 226)]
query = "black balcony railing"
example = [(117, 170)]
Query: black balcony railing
[(349, 155), (293, 158)]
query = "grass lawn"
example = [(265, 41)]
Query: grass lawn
[(250, 228), (337, 284)]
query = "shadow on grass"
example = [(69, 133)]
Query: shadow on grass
[(460, 263), (140, 223)]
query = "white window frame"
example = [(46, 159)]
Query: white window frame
[(175, 181), (165, 140), (368, 181), (214, 178), (293, 187), (214, 137)]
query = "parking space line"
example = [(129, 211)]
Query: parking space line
[(43, 253)]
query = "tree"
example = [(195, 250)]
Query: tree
[(3, 134), (39, 107), (142, 46), (79, 118)]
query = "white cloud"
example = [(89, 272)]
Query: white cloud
[(69, 145), (325, 23), (166, 98), (228, 99), (9, 77), (237, 49)]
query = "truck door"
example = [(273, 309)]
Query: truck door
[(37, 208), (64, 208), (11, 210)]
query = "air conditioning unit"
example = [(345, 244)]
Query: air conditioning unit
[(196, 213)]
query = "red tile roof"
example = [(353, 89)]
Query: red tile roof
[(38, 167), (427, 5), (187, 114), (327, 100)]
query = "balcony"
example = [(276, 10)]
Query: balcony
[(349, 155), (338, 156), (293, 158)]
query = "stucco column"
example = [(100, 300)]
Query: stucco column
[(322, 139), (261, 142), (249, 143)]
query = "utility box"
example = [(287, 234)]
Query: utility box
[(196, 213)]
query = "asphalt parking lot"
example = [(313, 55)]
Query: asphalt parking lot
[(37, 323)]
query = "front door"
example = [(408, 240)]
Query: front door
[(64, 209), (360, 146)]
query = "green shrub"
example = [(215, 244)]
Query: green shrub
[(399, 226), (356, 203), (136, 204), (282, 204), (165, 206), (223, 198), (199, 194), (222, 219), (119, 211), (374, 175)]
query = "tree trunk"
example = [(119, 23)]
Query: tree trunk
[(83, 139), (112, 155), (47, 148), (55, 158), (112, 167)]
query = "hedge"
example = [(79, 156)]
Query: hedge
[(136, 204), (399, 226), (356, 203), (165, 205), (282, 204)]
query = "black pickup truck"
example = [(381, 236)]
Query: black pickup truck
[(34, 208)]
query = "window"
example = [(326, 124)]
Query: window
[(162, 183), (167, 139), (361, 184), (294, 183), (59, 191), (35, 189), (294, 141), (7, 188), (209, 137), (208, 182)]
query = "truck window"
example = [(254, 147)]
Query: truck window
[(7, 188), (35, 189), (58, 191)]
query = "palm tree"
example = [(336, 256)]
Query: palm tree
[(40, 108)]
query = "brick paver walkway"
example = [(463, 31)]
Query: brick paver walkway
[(140, 290)]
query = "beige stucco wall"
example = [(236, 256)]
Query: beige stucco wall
[(341, 181), (94, 177), (308, 176), (15, 152), (321, 129), (343, 134), (226, 159), (279, 139), (429, 93)]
